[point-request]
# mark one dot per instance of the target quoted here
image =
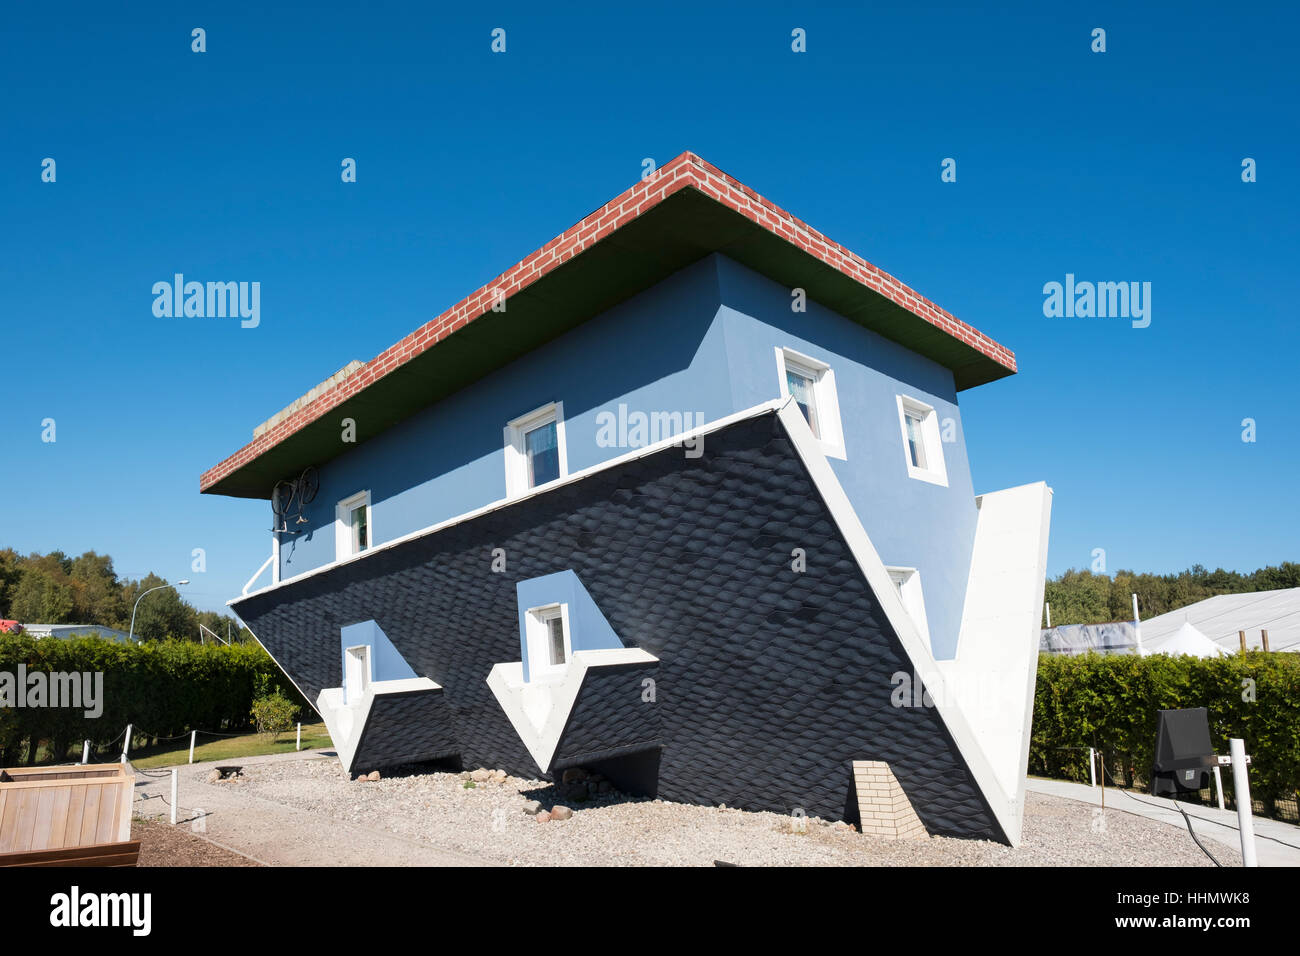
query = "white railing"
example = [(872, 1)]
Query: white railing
[(257, 574)]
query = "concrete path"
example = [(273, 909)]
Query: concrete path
[(1276, 843), (271, 832)]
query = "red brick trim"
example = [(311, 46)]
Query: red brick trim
[(683, 171)]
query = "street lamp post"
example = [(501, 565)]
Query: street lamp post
[(131, 637)]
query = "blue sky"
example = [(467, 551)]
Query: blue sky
[(1120, 166)]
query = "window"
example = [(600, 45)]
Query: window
[(801, 388), (356, 673), (907, 581), (922, 448), (535, 452), (812, 386), (352, 533), (549, 644)]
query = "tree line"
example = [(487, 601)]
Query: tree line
[(1082, 597), (57, 589)]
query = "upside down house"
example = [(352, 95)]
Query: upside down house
[(683, 498)]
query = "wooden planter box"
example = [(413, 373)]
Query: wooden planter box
[(67, 816)]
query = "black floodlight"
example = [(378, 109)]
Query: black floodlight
[(1184, 756)]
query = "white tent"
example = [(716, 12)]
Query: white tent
[(1186, 640), (1220, 618)]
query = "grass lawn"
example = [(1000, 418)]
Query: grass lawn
[(173, 752)]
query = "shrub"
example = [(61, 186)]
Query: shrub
[(163, 688), (273, 714), (1110, 702)]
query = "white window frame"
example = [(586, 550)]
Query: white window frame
[(538, 636), (935, 470), (831, 439), (343, 528), (908, 583), (516, 454)]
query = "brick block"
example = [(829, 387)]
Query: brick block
[(883, 806)]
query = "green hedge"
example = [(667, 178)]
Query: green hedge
[(163, 688), (1110, 702)]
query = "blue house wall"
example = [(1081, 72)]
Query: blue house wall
[(912, 523), (702, 343)]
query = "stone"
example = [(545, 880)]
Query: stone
[(214, 776), (575, 775), (480, 775), (373, 775), (543, 817), (532, 808), (561, 813)]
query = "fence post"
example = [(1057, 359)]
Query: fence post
[(85, 752), (1241, 793), (1218, 786), (1092, 768), (126, 742), (174, 775), (298, 745), (193, 735), (1263, 636)]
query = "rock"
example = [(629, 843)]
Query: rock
[(214, 776), (543, 817), (498, 776), (373, 775), (480, 775), (575, 775), (532, 808), (561, 813), (605, 786)]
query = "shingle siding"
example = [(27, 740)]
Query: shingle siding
[(769, 682)]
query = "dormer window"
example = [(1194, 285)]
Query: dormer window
[(534, 449), (907, 582), (811, 384), (549, 643)]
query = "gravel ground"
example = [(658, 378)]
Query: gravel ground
[(488, 822)]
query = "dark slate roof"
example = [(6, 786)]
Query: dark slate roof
[(409, 727), (769, 682)]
